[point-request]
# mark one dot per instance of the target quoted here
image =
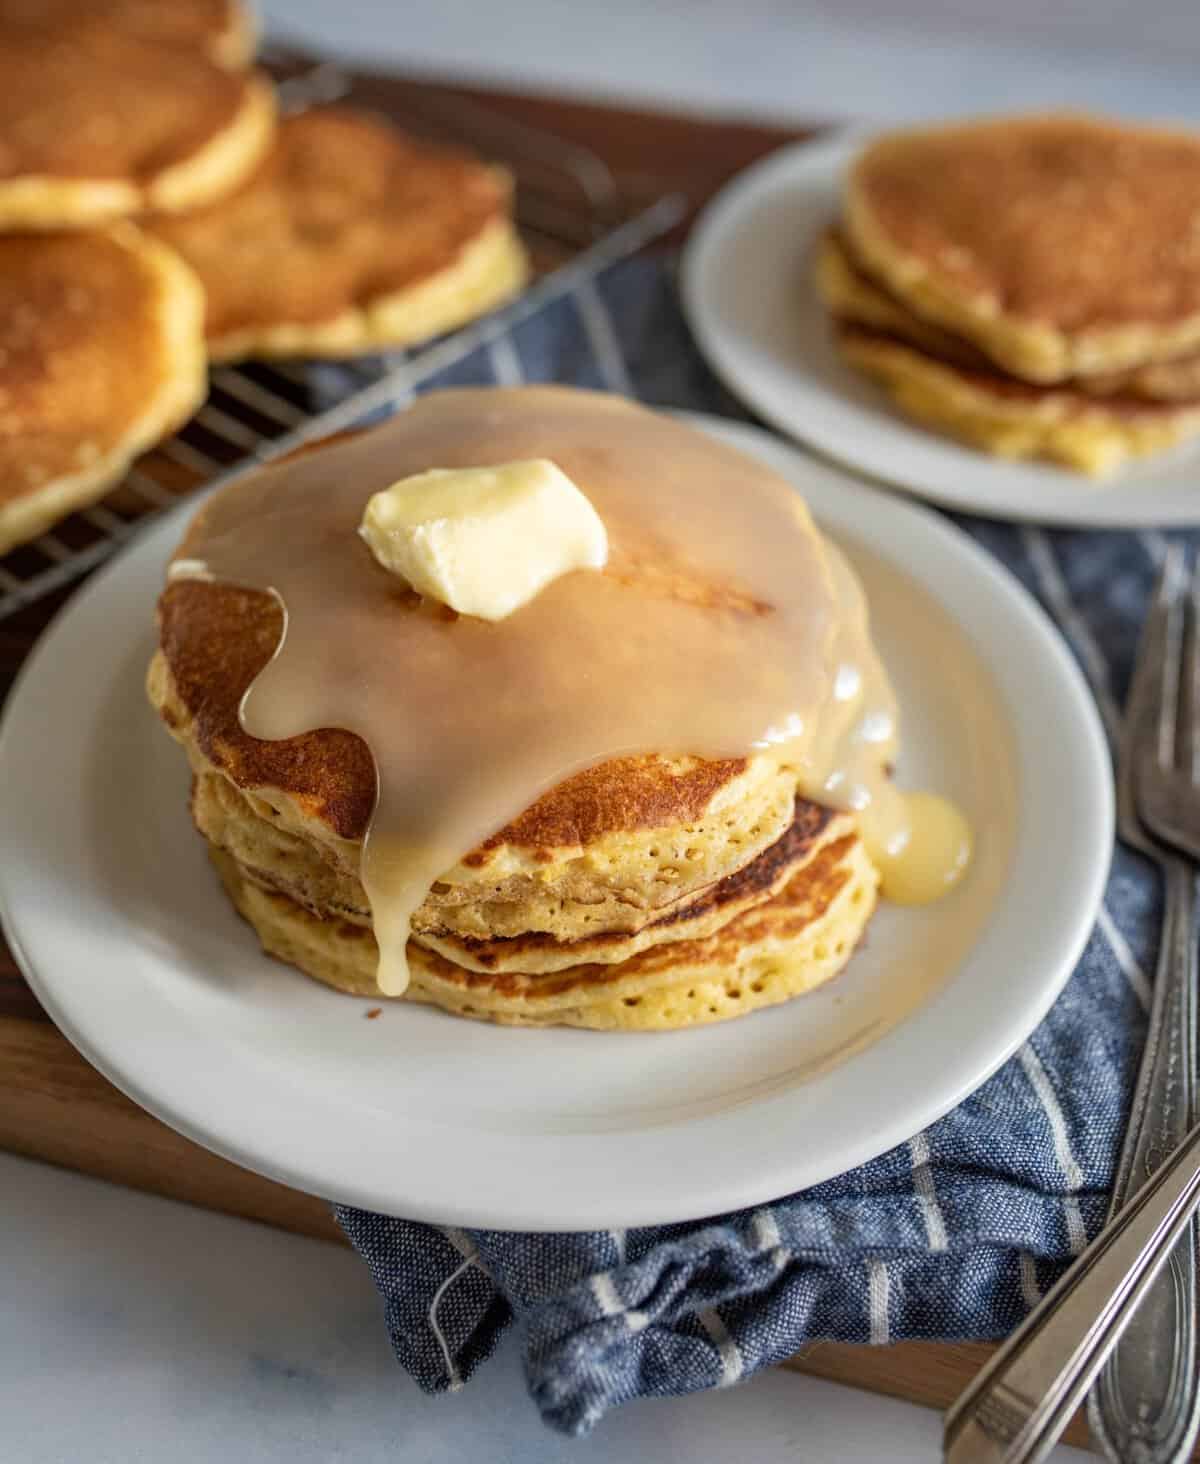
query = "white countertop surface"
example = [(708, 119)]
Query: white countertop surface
[(799, 59), (133, 1329)]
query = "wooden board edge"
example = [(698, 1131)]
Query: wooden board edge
[(55, 1106)]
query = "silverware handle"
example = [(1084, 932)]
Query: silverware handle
[(1021, 1401), (1146, 1402)]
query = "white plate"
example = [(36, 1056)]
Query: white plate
[(749, 298), (118, 922)]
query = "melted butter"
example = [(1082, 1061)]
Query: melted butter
[(723, 624), (920, 843)]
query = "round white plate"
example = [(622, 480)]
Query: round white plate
[(117, 919), (749, 298)]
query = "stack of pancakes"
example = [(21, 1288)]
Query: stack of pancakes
[(646, 892), (1028, 285), (157, 214)]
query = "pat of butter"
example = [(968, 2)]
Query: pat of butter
[(484, 541)]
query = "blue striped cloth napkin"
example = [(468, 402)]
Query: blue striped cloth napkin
[(952, 1236)]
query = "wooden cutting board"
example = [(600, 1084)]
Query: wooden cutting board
[(55, 1107)]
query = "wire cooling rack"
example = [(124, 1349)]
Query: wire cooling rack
[(569, 215)]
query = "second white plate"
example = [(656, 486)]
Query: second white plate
[(750, 300), (119, 924)]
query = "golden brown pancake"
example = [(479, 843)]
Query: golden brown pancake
[(99, 125), (223, 29), (101, 355), (569, 886), (791, 943), (284, 863), (1090, 432), (854, 298), (1060, 246), (696, 914), (350, 237)]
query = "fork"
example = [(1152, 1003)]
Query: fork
[(1168, 763), (1120, 1316), (1146, 1403)]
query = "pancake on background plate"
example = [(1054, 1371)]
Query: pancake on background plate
[(96, 124), (350, 237), (1030, 285), (1059, 245), (488, 792), (1093, 432), (853, 297), (101, 356), (1014, 419), (224, 29)]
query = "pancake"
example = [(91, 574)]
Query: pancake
[(791, 943), (1094, 434), (99, 125), (1059, 246), (608, 850), (223, 29), (853, 297), (541, 931), (350, 237), (692, 916), (101, 356)]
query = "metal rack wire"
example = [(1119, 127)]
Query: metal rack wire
[(568, 212)]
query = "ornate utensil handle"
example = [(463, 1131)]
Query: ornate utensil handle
[(1022, 1400), (1145, 1406)]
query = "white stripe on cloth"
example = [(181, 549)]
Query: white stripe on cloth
[(602, 338), (1041, 1085), (610, 1303), (1128, 962), (733, 1365), (506, 364), (461, 1242), (1054, 588), (456, 1382), (878, 1288), (1076, 1230), (926, 1192), (766, 1230), (767, 1237), (1031, 1292), (618, 1240)]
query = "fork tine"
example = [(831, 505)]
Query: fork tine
[(1148, 668), (1148, 657), (1165, 629)]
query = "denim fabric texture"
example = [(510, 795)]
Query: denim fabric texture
[(952, 1236)]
